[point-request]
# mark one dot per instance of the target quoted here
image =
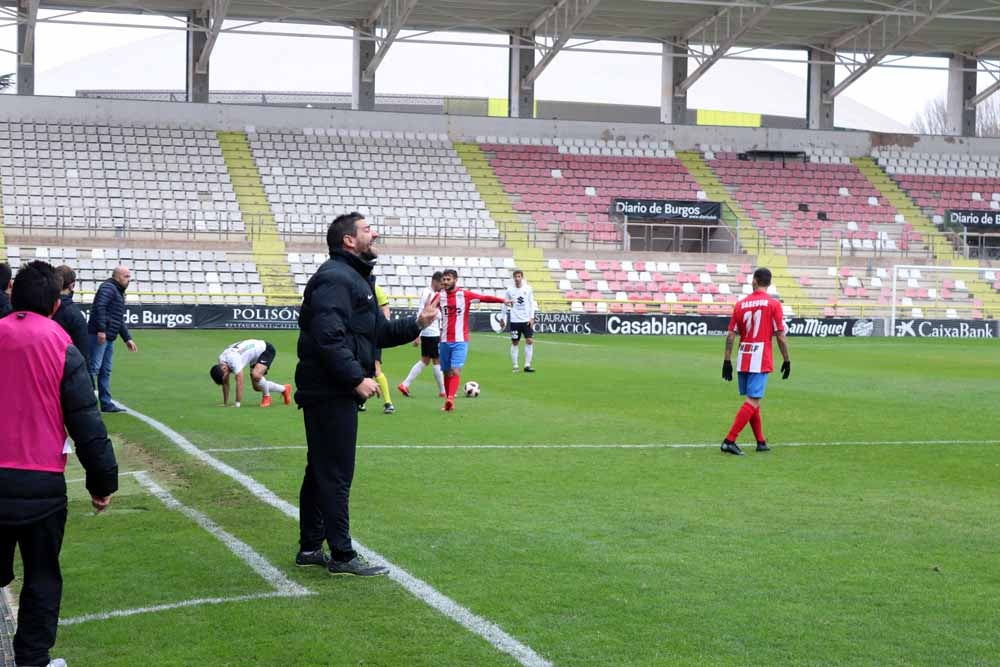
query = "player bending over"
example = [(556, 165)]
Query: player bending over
[(454, 305), (757, 317), (522, 319), (258, 355)]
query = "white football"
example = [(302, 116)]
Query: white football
[(471, 389)]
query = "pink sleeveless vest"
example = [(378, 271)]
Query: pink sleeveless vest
[(32, 362)]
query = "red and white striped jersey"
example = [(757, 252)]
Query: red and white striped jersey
[(756, 318), (454, 307)]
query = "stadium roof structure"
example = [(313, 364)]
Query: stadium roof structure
[(854, 34)]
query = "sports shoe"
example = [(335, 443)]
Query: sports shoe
[(357, 566), (287, 394), (441, 394), (362, 407), (389, 408), (449, 405), (318, 557), (529, 369), (762, 446), (403, 389), (731, 448), (265, 402), (112, 408), (515, 369)]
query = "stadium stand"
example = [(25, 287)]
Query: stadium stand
[(412, 184), (568, 184), (161, 275), (159, 180)]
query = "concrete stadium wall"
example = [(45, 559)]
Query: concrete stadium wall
[(237, 117)]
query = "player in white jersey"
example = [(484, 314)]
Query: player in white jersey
[(257, 355), (429, 340), (522, 320)]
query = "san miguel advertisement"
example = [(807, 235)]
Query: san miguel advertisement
[(665, 209)]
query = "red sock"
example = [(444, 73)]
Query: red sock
[(758, 429), (451, 385), (742, 417)]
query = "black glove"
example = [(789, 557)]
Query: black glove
[(786, 370), (727, 370)]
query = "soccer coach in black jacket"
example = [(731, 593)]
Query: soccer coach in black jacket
[(69, 316), (340, 326), (48, 395)]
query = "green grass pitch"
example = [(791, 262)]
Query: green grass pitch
[(880, 551)]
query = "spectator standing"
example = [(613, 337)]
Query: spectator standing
[(69, 316), (107, 322)]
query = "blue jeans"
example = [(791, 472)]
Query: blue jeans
[(101, 360)]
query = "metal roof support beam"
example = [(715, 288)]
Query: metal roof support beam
[(986, 48), (521, 95), (217, 10), (196, 82), (386, 21), (558, 23), (674, 69), (994, 70), (362, 90), (819, 82), (880, 38), (717, 35), (959, 115), (27, 16)]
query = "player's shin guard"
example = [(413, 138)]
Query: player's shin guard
[(742, 417), (439, 376), (414, 372), (755, 424), (529, 351)]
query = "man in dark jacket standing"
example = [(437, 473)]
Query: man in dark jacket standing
[(106, 324), (340, 326), (5, 275), (53, 397), (69, 316)]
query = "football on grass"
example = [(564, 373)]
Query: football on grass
[(471, 389)]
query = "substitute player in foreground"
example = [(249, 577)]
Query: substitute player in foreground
[(757, 318), (522, 320), (258, 355), (455, 304)]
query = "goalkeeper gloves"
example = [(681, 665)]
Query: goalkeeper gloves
[(727, 370), (786, 370)]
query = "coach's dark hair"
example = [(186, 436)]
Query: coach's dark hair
[(36, 288), (437, 276), (517, 271), (763, 277), (450, 272), (5, 274), (66, 275), (343, 225), (216, 373)]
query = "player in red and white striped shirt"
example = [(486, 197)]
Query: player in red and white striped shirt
[(757, 317), (455, 305)]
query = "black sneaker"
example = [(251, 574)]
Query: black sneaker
[(112, 408), (357, 566), (762, 446), (303, 559), (362, 407), (529, 369), (731, 448)]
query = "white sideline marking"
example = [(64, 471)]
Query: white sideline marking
[(423, 591), (653, 445), (269, 573), (120, 613)]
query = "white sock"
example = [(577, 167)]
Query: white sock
[(414, 372), (439, 376), (272, 386), (528, 353), (513, 355)]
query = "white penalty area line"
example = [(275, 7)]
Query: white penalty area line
[(652, 445), (420, 589), (196, 602)]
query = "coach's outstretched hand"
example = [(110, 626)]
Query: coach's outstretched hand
[(786, 370), (430, 312), (727, 370)]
